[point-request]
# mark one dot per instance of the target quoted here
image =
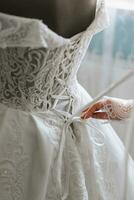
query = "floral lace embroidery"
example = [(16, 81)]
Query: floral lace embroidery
[(14, 165), (118, 108), (36, 79), (16, 31), (31, 79), (105, 168), (77, 187)]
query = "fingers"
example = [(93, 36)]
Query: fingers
[(87, 113), (95, 111), (100, 115)]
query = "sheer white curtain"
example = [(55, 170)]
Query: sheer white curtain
[(110, 56)]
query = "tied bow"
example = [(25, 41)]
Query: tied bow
[(68, 120)]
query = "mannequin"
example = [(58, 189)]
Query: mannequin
[(65, 17)]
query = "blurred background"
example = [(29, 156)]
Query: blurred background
[(110, 56)]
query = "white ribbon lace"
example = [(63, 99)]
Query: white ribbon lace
[(66, 129)]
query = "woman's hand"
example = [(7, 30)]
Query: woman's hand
[(109, 108)]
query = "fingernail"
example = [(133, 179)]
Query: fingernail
[(82, 116)]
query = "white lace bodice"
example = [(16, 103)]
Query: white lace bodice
[(37, 65)]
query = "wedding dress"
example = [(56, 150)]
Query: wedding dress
[(41, 158)]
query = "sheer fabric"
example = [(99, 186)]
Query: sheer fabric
[(118, 108)]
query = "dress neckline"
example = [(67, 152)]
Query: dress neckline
[(99, 22), (100, 7)]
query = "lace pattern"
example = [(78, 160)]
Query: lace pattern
[(36, 78), (77, 186), (118, 108), (14, 165), (36, 73)]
